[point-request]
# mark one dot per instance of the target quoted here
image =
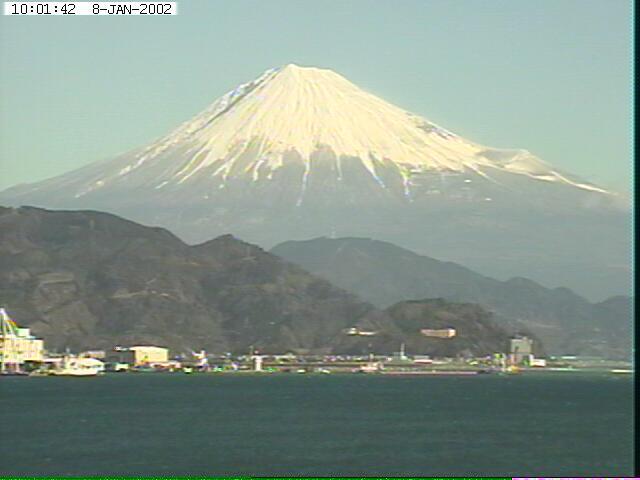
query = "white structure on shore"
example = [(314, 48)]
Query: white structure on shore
[(257, 363)]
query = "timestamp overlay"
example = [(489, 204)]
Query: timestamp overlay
[(90, 8)]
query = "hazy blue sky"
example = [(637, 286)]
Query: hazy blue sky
[(551, 76)]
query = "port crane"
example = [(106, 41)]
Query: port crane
[(202, 360), (9, 335)]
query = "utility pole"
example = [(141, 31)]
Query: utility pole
[(4, 340)]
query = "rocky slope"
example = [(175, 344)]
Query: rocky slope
[(88, 279), (84, 279), (476, 332)]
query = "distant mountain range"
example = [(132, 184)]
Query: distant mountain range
[(84, 279), (301, 152), (384, 274)]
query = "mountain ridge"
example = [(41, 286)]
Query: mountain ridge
[(87, 280), (302, 152), (384, 274)]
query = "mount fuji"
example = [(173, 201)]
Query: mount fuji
[(302, 152)]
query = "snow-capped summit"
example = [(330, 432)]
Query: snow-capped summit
[(302, 152), (304, 110)]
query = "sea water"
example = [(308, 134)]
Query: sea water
[(546, 424)]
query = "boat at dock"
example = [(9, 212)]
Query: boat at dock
[(17, 373), (78, 367), (621, 371), (143, 369), (371, 367)]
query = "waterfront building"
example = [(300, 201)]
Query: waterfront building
[(520, 350), (399, 357), (141, 355), (17, 345)]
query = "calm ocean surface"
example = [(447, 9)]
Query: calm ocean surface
[(542, 424)]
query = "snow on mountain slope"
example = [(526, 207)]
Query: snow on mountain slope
[(302, 152), (305, 110)]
